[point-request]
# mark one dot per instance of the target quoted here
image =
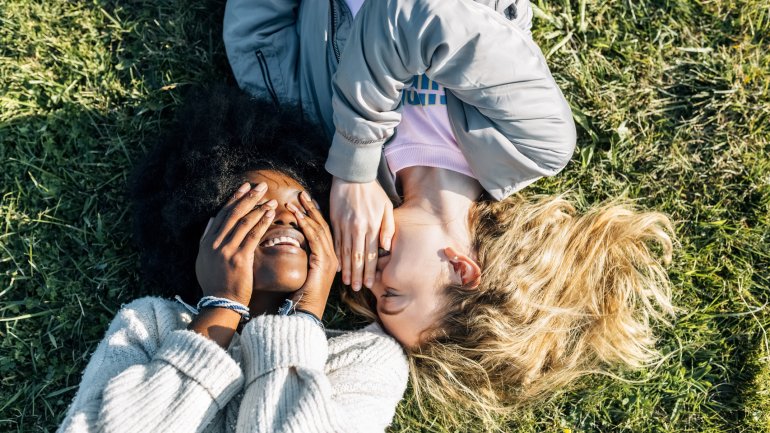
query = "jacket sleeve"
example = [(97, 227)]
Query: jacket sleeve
[(262, 47), (149, 374), (489, 63), (289, 389)]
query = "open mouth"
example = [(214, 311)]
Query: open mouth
[(283, 237)]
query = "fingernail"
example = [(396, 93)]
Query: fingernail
[(272, 204), (386, 244), (369, 282), (244, 188), (296, 211), (317, 206), (339, 268), (305, 195), (356, 286), (262, 186)]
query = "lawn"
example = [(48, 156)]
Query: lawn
[(672, 104)]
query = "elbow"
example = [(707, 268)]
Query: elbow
[(567, 143), (562, 139), (562, 134)]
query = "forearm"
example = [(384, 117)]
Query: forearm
[(296, 381), (488, 62), (216, 324), (146, 364)]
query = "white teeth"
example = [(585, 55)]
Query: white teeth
[(283, 240)]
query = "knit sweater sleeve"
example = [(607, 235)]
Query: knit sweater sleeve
[(297, 381), (149, 374)]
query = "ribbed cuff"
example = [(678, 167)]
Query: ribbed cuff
[(203, 361), (270, 342), (446, 156), (353, 162)]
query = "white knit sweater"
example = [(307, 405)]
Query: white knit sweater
[(150, 374)]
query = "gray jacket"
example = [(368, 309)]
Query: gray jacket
[(510, 119)]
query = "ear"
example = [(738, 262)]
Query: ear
[(466, 270)]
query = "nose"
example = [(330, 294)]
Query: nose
[(284, 217)]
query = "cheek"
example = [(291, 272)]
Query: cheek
[(401, 329)]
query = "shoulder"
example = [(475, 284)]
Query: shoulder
[(367, 346), (368, 364), (149, 318)]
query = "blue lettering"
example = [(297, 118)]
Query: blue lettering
[(413, 98)]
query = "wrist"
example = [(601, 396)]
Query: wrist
[(353, 161), (317, 311), (310, 316), (226, 303), (310, 311), (217, 324), (229, 295)]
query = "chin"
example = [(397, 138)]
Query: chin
[(280, 288), (280, 274)]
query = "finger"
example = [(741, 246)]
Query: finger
[(357, 267), (310, 208), (347, 246), (222, 214), (314, 213), (312, 231), (238, 210), (388, 228), (338, 247), (247, 223), (254, 236), (370, 265)]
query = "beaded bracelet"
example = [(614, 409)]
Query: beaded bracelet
[(289, 308), (214, 302)]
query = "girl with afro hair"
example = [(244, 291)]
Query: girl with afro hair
[(224, 218)]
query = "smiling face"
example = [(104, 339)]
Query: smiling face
[(410, 281), (281, 260)]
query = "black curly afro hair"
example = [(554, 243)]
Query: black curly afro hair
[(218, 135)]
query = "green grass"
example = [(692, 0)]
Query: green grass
[(672, 103)]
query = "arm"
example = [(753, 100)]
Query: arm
[(486, 61), (297, 382), (145, 366), (149, 373), (263, 47)]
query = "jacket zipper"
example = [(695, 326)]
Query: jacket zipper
[(266, 76), (333, 27)]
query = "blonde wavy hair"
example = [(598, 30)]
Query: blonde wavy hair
[(562, 294)]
